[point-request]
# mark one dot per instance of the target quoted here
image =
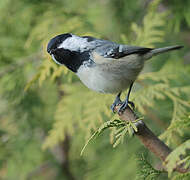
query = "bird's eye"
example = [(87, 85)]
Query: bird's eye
[(53, 50)]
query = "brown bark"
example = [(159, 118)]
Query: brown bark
[(149, 139)]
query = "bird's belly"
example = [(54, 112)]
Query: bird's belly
[(102, 85), (105, 81)]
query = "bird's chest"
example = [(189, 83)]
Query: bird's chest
[(107, 78)]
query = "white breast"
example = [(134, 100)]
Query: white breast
[(97, 81), (110, 77)]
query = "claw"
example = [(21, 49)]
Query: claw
[(132, 104), (114, 105), (116, 102), (126, 102), (124, 106)]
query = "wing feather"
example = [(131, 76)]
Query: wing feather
[(117, 51), (109, 49)]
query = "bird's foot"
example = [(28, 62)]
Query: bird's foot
[(116, 103), (132, 104), (124, 106)]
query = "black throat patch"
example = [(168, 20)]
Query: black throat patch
[(72, 59)]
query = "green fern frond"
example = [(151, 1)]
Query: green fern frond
[(147, 95), (151, 31), (32, 81), (185, 176), (146, 171), (73, 109), (120, 134), (107, 124), (174, 158), (48, 20), (58, 72), (178, 122), (119, 130), (162, 87), (44, 72), (61, 126), (49, 69)]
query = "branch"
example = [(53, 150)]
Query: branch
[(149, 139)]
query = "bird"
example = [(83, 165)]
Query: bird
[(102, 65)]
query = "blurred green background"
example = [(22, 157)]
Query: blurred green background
[(47, 115)]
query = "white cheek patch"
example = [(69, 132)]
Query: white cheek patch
[(55, 60), (74, 43)]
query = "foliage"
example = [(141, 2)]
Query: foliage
[(55, 105), (146, 171), (120, 129), (150, 33), (180, 14), (175, 157), (184, 176), (163, 87)]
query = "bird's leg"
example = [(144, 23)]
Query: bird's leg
[(126, 102), (116, 102)]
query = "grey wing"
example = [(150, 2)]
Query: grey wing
[(116, 51), (108, 49)]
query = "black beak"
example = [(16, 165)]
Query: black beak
[(51, 51)]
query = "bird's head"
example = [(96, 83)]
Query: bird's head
[(55, 42), (68, 49), (59, 47)]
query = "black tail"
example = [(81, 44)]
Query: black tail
[(165, 49)]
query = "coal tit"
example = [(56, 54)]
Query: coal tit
[(102, 65)]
